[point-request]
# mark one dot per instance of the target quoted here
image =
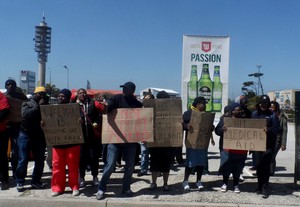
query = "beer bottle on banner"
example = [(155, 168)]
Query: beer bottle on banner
[(205, 86), (217, 90), (192, 86)]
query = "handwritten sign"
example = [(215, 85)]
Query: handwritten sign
[(128, 126), (15, 109), (167, 122), (245, 134), (199, 136), (61, 124)]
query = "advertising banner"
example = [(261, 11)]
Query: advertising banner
[(245, 134), (61, 124), (128, 125), (205, 69), (167, 122)]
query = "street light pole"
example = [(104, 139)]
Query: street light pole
[(259, 81), (66, 67), (50, 75), (258, 75)]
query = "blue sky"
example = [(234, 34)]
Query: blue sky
[(109, 42)]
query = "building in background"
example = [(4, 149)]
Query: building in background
[(154, 91), (27, 81), (285, 98)]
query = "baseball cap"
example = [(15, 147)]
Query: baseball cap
[(40, 89), (10, 82), (264, 99), (129, 85)]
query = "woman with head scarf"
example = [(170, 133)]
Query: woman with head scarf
[(232, 161)]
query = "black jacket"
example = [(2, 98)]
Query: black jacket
[(121, 101), (31, 116), (90, 115)]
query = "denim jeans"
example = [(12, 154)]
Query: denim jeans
[(13, 133), (35, 143), (128, 150), (144, 158)]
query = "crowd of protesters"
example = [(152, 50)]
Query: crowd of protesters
[(28, 142)]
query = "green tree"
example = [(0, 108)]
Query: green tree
[(52, 90)]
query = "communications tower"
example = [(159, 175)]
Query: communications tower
[(42, 46)]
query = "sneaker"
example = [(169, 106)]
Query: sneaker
[(82, 183), (166, 188), (20, 187), (95, 181), (141, 173), (265, 191), (153, 186), (199, 185), (54, 194), (4, 186), (75, 193), (236, 189), (38, 185), (100, 195), (128, 193), (241, 179), (206, 172), (258, 191), (224, 188), (186, 186)]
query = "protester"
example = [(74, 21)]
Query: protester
[(196, 159), (245, 113), (161, 158), (4, 111), (282, 133), (144, 148), (232, 161), (62, 156), (91, 149), (32, 138), (264, 159), (219, 127), (13, 128), (243, 101), (124, 100)]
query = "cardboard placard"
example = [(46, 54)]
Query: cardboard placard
[(245, 134), (128, 126), (167, 122), (15, 105), (61, 124), (199, 136)]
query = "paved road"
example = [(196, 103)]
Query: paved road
[(282, 186)]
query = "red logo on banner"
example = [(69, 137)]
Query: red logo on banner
[(206, 46)]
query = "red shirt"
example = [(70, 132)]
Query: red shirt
[(242, 152), (100, 107), (3, 105)]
